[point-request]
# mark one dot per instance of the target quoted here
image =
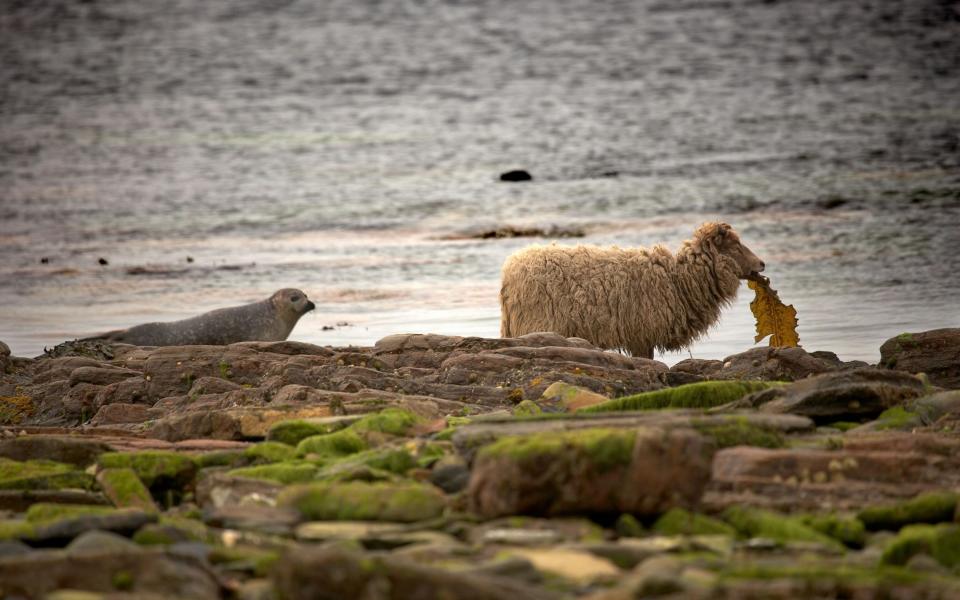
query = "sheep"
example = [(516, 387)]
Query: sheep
[(629, 299)]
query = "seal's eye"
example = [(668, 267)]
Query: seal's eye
[(294, 298)]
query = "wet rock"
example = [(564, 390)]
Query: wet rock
[(592, 471), (844, 395), (512, 231), (361, 501), (935, 353), (41, 475), (74, 450), (772, 364), (328, 574), (451, 474), (143, 572), (516, 175)]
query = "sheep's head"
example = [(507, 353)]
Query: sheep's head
[(728, 244)]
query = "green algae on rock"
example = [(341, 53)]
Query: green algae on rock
[(292, 431), (157, 469), (678, 521), (703, 394), (739, 431), (527, 408), (339, 443), (606, 448), (285, 472), (125, 490), (392, 421), (269, 452), (758, 523), (933, 507), (361, 501), (41, 475), (849, 531), (942, 542)]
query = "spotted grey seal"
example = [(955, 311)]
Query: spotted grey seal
[(269, 320)]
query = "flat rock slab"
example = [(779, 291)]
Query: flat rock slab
[(869, 469), (21, 500), (935, 353), (76, 450), (643, 471)]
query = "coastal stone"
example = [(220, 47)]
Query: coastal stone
[(329, 573), (74, 450), (570, 397), (21, 500), (361, 501), (144, 572), (131, 390), (100, 375), (120, 413), (54, 524), (292, 431), (845, 395), (772, 364), (98, 541), (640, 471), (705, 394), (158, 470), (451, 474), (41, 475), (212, 385), (578, 566), (698, 366), (264, 519), (230, 424), (936, 353), (932, 507), (125, 490), (217, 489), (532, 531)]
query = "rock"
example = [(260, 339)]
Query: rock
[(100, 375), (772, 364), (4, 349), (212, 385), (932, 507), (249, 517), (232, 424), (935, 353), (530, 531), (125, 490), (516, 175), (143, 572), (373, 535), (704, 394), (361, 501), (74, 450), (160, 471), (845, 395), (331, 574), (292, 431), (640, 471), (939, 541), (580, 567), (216, 489), (451, 474), (570, 398), (100, 541), (21, 500), (120, 413), (54, 524), (698, 366), (41, 475), (869, 469)]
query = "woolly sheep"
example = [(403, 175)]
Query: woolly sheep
[(631, 299)]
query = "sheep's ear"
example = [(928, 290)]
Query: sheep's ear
[(722, 230)]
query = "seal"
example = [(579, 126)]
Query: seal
[(269, 320)]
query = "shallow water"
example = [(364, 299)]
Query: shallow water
[(329, 146)]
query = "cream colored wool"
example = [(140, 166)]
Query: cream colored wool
[(632, 299)]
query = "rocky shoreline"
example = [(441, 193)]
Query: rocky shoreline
[(444, 467)]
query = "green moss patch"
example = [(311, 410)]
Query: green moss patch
[(125, 490), (293, 431), (387, 460), (46, 512), (339, 443), (678, 521), (41, 475), (898, 417), (849, 531), (527, 408), (157, 469), (934, 507), (606, 448), (753, 522), (739, 431), (942, 542), (361, 501), (704, 394), (269, 452), (393, 421), (285, 473)]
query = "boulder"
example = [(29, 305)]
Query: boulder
[(594, 471), (74, 450), (935, 353), (772, 364)]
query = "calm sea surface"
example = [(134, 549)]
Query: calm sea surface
[(332, 146)]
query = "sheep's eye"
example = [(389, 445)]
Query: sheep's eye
[(294, 298)]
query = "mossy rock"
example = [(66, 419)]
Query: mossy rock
[(628, 525), (388, 460), (269, 452), (172, 530), (286, 473), (392, 421), (933, 507), (16, 529), (845, 575), (678, 521), (47, 512), (125, 490), (293, 431), (158, 470), (527, 408), (703, 394), (256, 561), (899, 418), (332, 445), (42, 475), (753, 522), (849, 531), (942, 542), (361, 501), (606, 448), (221, 458), (739, 431)]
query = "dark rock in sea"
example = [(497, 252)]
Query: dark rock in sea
[(841, 396), (516, 175), (44, 260), (935, 353), (102, 261), (514, 231)]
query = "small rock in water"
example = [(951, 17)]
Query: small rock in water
[(516, 175), (44, 260), (189, 259), (102, 261)]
